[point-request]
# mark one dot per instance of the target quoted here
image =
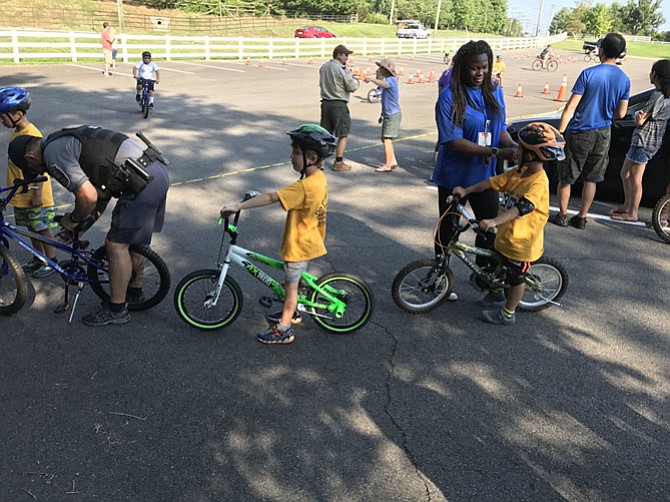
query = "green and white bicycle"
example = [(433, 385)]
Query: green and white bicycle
[(211, 299)]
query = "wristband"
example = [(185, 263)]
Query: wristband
[(494, 151)]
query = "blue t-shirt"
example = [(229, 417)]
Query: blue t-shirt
[(602, 87), (453, 169), (390, 97)]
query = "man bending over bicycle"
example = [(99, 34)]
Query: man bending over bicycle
[(523, 215), (149, 71), (306, 202)]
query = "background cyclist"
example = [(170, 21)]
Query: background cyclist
[(146, 70)]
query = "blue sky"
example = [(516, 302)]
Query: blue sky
[(527, 11)]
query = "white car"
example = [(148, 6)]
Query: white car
[(416, 30)]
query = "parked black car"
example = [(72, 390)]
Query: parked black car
[(590, 46), (656, 175)]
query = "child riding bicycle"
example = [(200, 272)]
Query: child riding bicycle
[(146, 70), (306, 202), (524, 213), (546, 55), (35, 208)]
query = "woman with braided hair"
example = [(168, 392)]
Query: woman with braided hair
[(470, 115)]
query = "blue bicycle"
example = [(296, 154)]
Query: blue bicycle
[(144, 103), (83, 267)]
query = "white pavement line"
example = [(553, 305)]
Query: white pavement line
[(266, 67), (212, 67), (114, 72), (163, 68)]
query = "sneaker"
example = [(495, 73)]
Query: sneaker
[(133, 298), (275, 317), (492, 299), (32, 265), (452, 297), (559, 219), (497, 317), (578, 222), (44, 271), (105, 316), (274, 335), (341, 166), (151, 105), (137, 98)]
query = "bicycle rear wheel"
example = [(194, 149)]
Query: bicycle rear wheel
[(354, 293), (546, 282), (149, 273), (537, 65), (552, 65), (196, 289), (13, 283), (422, 286), (660, 218)]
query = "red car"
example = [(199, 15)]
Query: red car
[(313, 32)]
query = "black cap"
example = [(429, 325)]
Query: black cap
[(341, 49), (17, 151)]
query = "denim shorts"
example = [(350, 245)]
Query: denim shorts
[(35, 218), (639, 155), (294, 270)]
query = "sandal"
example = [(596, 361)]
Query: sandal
[(383, 169)]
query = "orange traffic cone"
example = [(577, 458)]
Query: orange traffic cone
[(420, 79), (411, 57), (283, 60), (519, 91), (261, 64), (563, 91), (409, 79), (431, 76), (546, 88), (418, 72), (309, 61), (248, 61), (401, 71)]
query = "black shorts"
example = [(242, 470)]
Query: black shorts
[(335, 118), (140, 83), (137, 217)]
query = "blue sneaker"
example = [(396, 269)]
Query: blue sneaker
[(497, 317), (492, 299), (273, 335)]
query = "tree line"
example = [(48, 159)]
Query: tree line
[(641, 17)]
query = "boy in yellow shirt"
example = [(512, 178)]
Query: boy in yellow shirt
[(523, 215), (306, 202), (35, 208)]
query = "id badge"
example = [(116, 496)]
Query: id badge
[(484, 137)]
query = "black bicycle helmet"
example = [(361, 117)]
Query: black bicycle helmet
[(543, 140), (146, 54), (14, 99), (315, 138)]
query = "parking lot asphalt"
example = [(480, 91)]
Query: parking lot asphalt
[(569, 404)]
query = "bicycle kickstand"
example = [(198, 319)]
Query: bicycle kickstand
[(66, 305)]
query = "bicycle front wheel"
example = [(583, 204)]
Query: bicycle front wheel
[(660, 218), (537, 65), (145, 106), (13, 283), (150, 273), (194, 294), (552, 65), (373, 97), (353, 292), (422, 286), (546, 282)]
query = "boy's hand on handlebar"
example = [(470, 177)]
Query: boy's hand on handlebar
[(66, 222), (459, 192), (227, 211), (487, 224)]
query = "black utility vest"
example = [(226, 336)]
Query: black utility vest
[(98, 151)]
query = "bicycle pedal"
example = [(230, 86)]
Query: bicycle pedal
[(266, 301)]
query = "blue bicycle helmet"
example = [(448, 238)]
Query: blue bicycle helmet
[(13, 99)]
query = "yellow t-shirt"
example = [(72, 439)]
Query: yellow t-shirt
[(522, 239), (25, 200), (498, 67), (306, 201)]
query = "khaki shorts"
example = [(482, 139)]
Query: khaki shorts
[(108, 56), (391, 126)]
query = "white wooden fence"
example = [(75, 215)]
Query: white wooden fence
[(37, 46)]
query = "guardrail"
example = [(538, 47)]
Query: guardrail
[(35, 46)]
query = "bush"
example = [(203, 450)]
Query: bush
[(376, 18)]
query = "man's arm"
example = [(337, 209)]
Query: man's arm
[(569, 111), (621, 109), (85, 200)]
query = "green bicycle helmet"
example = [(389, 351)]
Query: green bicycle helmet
[(315, 138)]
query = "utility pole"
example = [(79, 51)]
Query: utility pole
[(437, 15), (119, 9), (392, 11), (539, 19)]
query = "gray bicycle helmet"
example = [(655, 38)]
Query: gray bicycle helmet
[(315, 138), (14, 99)]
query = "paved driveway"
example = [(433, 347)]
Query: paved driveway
[(570, 404)]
